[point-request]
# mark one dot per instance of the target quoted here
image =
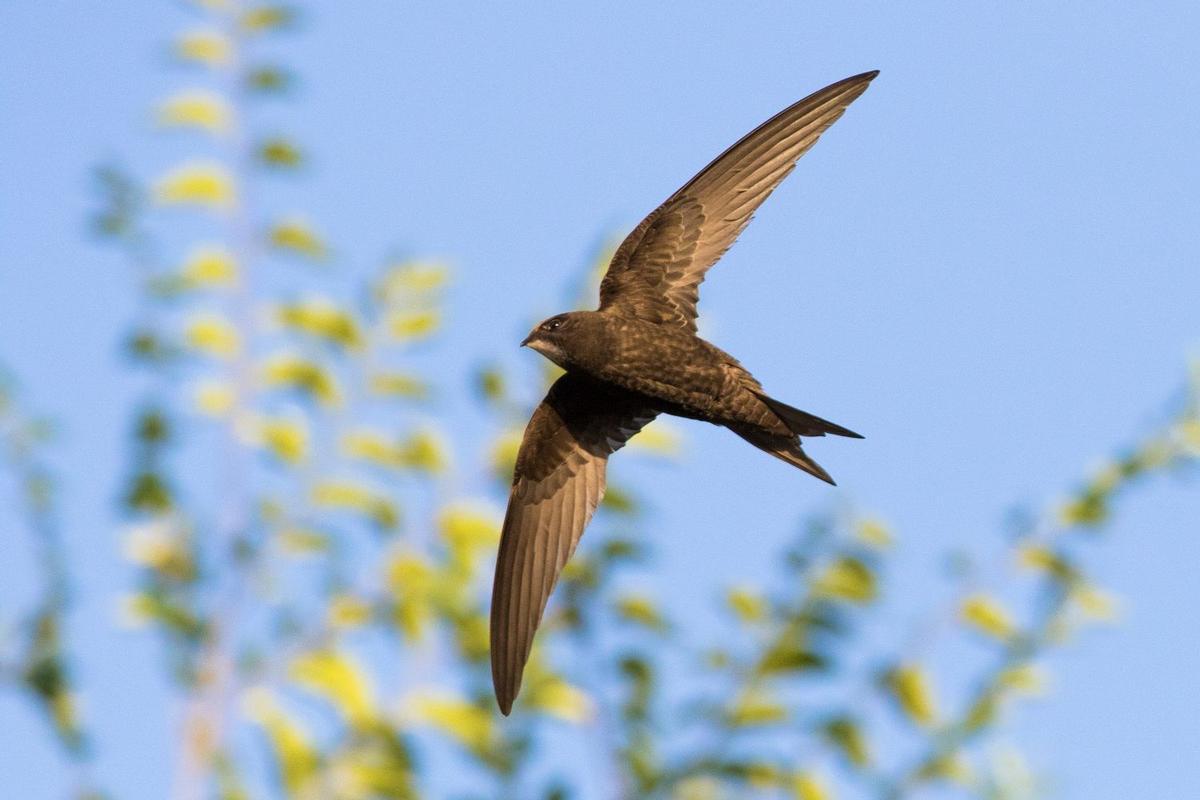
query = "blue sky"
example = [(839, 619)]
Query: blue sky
[(988, 267)]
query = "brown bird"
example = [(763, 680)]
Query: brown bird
[(638, 356)]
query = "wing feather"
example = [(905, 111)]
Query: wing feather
[(656, 273), (558, 482)]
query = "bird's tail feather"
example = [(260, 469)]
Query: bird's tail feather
[(802, 423), (785, 448)]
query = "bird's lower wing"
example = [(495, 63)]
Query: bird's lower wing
[(557, 484)]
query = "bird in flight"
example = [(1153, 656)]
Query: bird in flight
[(638, 356)]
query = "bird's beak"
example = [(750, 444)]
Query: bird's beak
[(525, 342)]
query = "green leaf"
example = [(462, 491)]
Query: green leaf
[(279, 153), (270, 80)]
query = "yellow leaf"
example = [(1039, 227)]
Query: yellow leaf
[(1189, 433), (348, 611), (988, 616), (321, 318), (286, 439), (504, 453), (302, 541), (557, 698), (356, 497), (411, 581), (846, 578), (195, 109), (659, 438), (292, 372), (698, 787), (468, 724), (809, 786), (135, 610), (468, 528), (748, 604), (910, 688), (1027, 679), (340, 680), (207, 47), (297, 236), (399, 385), (410, 281), (161, 544), (1096, 604), (1042, 559), (422, 451), (196, 183), (293, 747), (210, 266), (641, 610), (847, 736), (874, 533), (213, 334), (756, 708), (412, 325), (953, 767), (369, 446), (214, 398)]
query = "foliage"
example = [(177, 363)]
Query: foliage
[(34, 656), (318, 577)]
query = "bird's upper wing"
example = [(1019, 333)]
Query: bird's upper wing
[(655, 274), (557, 484)]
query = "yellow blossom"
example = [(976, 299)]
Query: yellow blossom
[(560, 699), (293, 372), (212, 334), (398, 385), (411, 581), (197, 183), (809, 786), (747, 603), (298, 237), (411, 280), (411, 325), (195, 109), (348, 611), (1027, 679), (988, 616), (209, 266), (214, 398), (659, 438), (339, 679), (286, 439), (846, 578), (161, 545), (359, 498), (911, 690), (208, 47), (293, 747), (321, 318), (1096, 604), (874, 533), (468, 724)]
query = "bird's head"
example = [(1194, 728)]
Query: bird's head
[(557, 337)]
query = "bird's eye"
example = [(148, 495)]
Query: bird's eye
[(553, 324)]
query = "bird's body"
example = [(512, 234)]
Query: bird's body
[(638, 356)]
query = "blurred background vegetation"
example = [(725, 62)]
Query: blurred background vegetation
[(318, 580)]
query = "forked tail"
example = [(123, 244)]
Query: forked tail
[(802, 423), (785, 448)]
